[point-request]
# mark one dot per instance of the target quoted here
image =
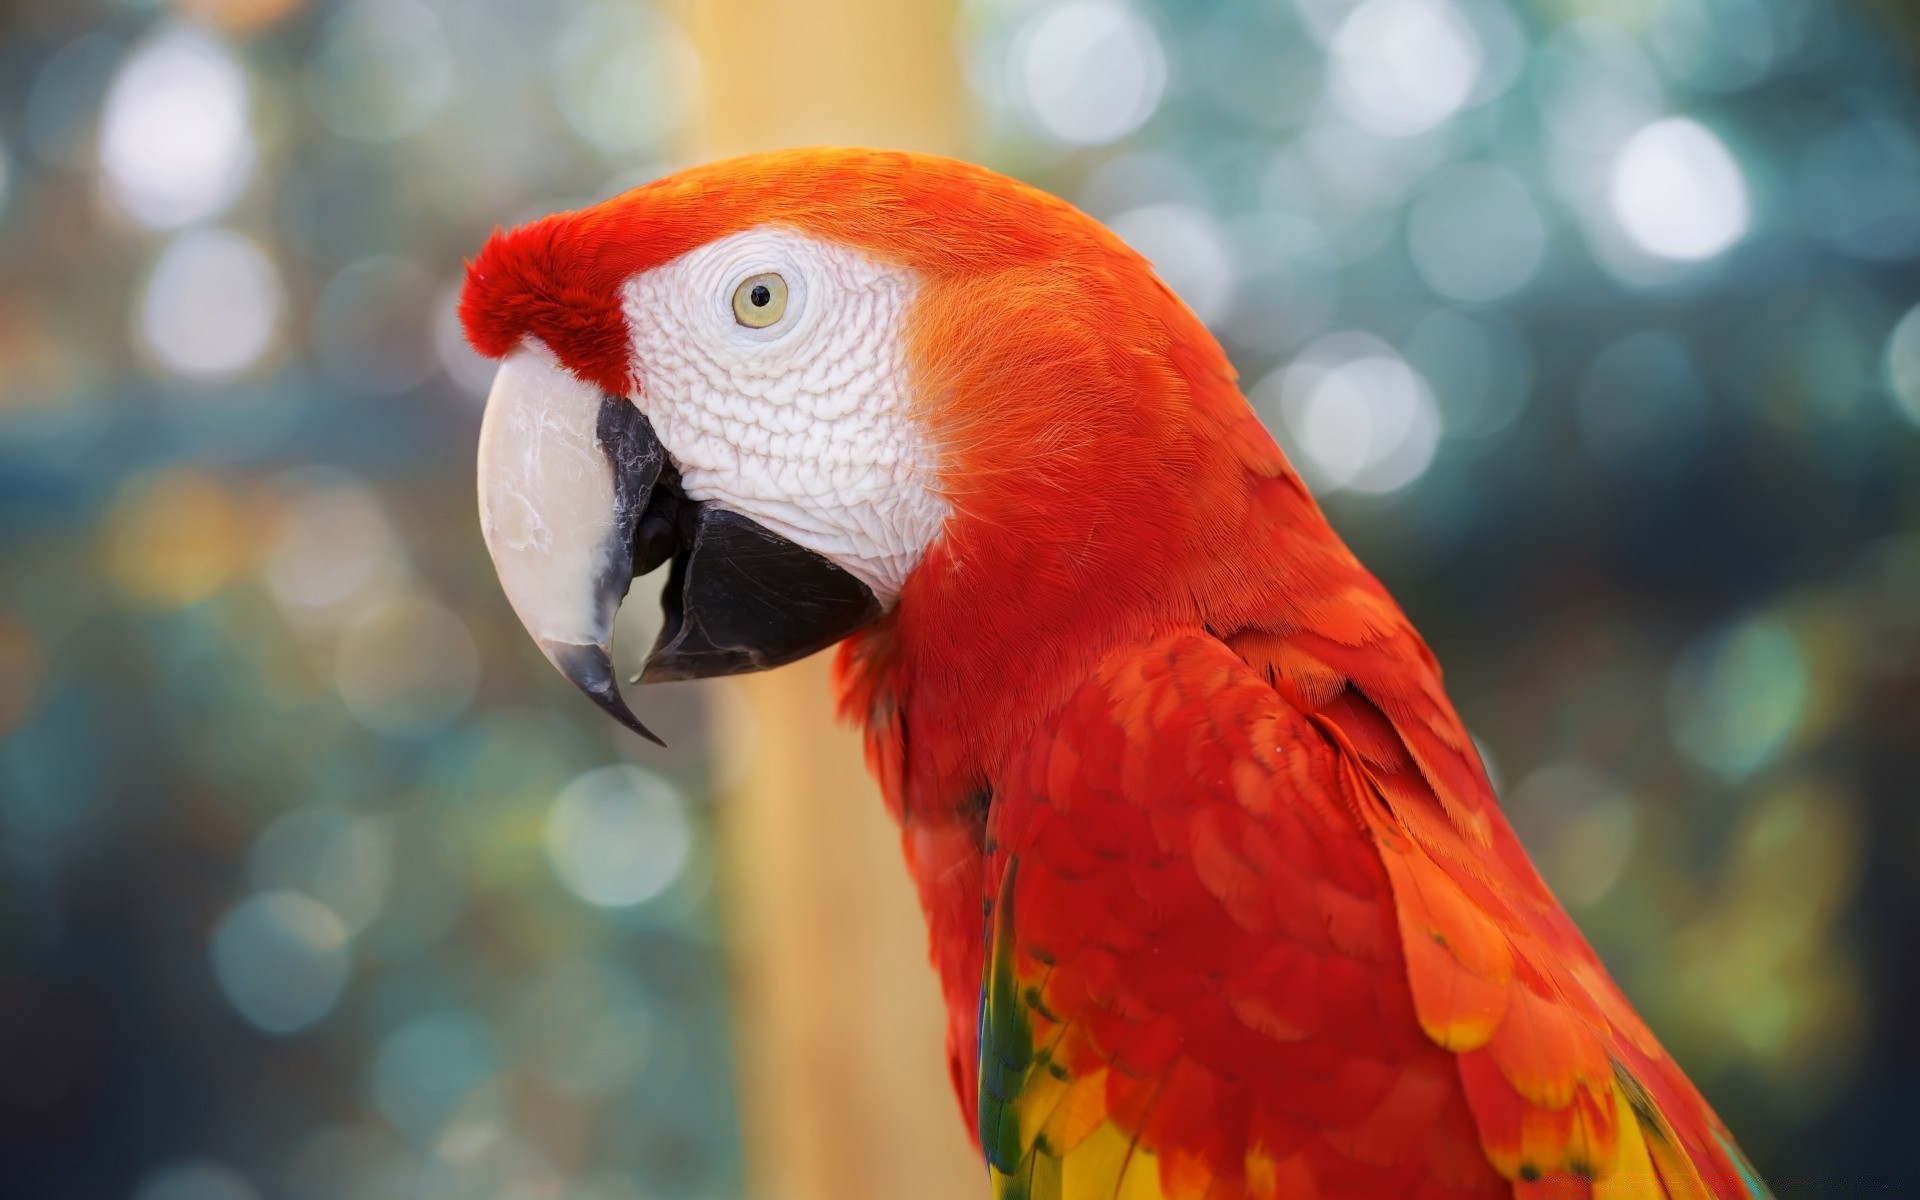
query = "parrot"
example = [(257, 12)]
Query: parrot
[(1220, 897)]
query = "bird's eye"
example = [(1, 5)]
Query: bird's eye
[(760, 300)]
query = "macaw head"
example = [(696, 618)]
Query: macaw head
[(829, 386)]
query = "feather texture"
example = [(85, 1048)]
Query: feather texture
[(1220, 966), (1266, 932), (1220, 897)]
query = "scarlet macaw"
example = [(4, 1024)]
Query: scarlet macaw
[(1220, 896)]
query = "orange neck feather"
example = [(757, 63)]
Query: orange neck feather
[(1107, 481)]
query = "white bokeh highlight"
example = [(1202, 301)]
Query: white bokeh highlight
[(1089, 71), (1677, 191), (210, 306), (1353, 415), (176, 142), (1402, 67)]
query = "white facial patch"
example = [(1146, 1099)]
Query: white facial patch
[(803, 425)]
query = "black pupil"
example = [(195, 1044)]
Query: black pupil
[(760, 295)]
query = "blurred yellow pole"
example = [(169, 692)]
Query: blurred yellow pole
[(839, 72), (843, 1077)]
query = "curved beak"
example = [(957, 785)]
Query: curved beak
[(578, 497)]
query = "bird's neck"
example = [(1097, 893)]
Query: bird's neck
[(1007, 618), (1012, 611)]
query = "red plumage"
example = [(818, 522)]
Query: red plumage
[(1256, 926)]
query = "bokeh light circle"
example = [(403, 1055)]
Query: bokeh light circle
[(1579, 826), (176, 144), (626, 77), (407, 667), (332, 551), (281, 959), (1861, 185), (1188, 250), (1137, 178), (1677, 191), (1736, 696), (1594, 87), (1479, 365), (427, 1068), (618, 836), (1475, 234), (1353, 415), (1903, 365), (381, 70), (1288, 282), (1090, 71), (196, 1179), (173, 538), (1505, 52), (1401, 67), (461, 362), (343, 860), (210, 306), (1721, 45)]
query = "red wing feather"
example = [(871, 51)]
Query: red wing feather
[(1197, 987), (1550, 1051), (1242, 950)]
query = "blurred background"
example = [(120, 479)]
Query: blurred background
[(1592, 322)]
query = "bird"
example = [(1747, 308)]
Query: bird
[(1221, 900)]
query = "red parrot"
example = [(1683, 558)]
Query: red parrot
[(1222, 902)]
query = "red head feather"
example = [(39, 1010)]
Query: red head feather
[(559, 278)]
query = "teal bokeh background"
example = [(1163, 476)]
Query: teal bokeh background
[(1593, 324)]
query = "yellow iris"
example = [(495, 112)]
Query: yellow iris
[(760, 300)]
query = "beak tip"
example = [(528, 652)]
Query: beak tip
[(616, 707), (590, 668)]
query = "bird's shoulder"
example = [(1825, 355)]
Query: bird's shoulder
[(1260, 918), (1194, 983)]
